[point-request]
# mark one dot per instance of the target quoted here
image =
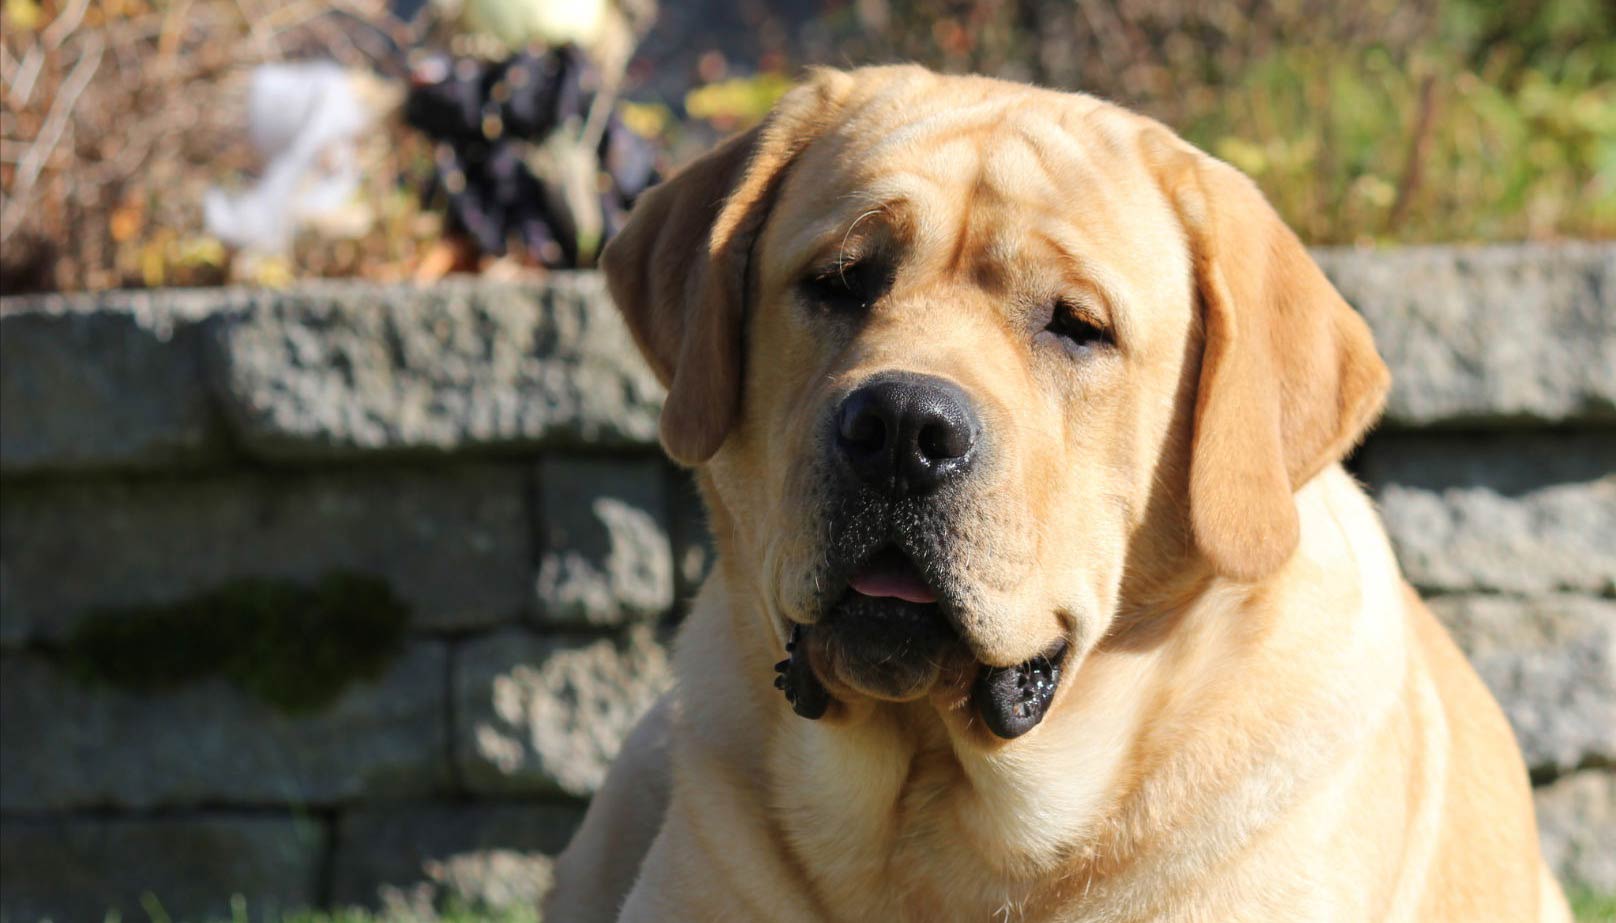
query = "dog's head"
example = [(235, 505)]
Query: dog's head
[(976, 370)]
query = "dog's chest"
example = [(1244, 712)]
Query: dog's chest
[(888, 830)]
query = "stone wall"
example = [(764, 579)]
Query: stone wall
[(484, 456)]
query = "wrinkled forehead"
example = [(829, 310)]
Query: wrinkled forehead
[(974, 174)]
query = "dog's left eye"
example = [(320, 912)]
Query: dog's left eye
[(1076, 327), (848, 287)]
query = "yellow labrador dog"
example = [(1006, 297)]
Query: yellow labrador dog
[(1041, 593)]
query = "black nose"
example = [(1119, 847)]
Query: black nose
[(904, 433)]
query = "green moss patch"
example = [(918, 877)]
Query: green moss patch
[(293, 646)]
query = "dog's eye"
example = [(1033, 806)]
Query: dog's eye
[(850, 287), (1076, 326)]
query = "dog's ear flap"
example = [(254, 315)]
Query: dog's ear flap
[(678, 269), (1289, 380)]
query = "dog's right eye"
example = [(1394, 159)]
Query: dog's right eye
[(1075, 328), (848, 288)]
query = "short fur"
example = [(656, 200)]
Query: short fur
[(1259, 721)]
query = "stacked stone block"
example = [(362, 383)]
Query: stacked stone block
[(1495, 473), (488, 451)]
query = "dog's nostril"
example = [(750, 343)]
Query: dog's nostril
[(904, 433), (861, 427), (943, 440)]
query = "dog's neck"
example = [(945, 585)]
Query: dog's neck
[(870, 800)]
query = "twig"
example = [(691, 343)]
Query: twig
[(173, 31), (381, 42), (50, 132), (1418, 146), (600, 114), (269, 46), (337, 43), (8, 64), (376, 17), (22, 88), (24, 77), (611, 83), (63, 25), (293, 15), (1108, 44)]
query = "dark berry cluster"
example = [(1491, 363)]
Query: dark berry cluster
[(505, 131)]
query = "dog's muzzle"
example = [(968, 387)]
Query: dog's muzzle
[(903, 447), (889, 636), (1010, 700), (903, 434)]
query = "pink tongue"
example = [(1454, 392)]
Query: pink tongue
[(906, 587)]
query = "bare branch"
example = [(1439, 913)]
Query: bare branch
[(63, 25), (50, 133)]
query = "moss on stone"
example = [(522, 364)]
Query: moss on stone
[(293, 646)]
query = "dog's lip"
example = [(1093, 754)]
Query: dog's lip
[(889, 573), (1013, 700), (883, 648)]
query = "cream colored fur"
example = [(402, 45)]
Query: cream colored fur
[(1260, 721)]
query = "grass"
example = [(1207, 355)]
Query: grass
[(1389, 121), (1593, 908), (1588, 907), (453, 912), (354, 915)]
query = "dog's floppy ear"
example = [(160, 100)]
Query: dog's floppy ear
[(1290, 379), (678, 269)]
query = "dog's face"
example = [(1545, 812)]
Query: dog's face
[(959, 357), (970, 314)]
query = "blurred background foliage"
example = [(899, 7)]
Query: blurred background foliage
[(119, 115), (1381, 121)]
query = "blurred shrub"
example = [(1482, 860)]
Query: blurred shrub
[(736, 101), (116, 116), (1382, 120)]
